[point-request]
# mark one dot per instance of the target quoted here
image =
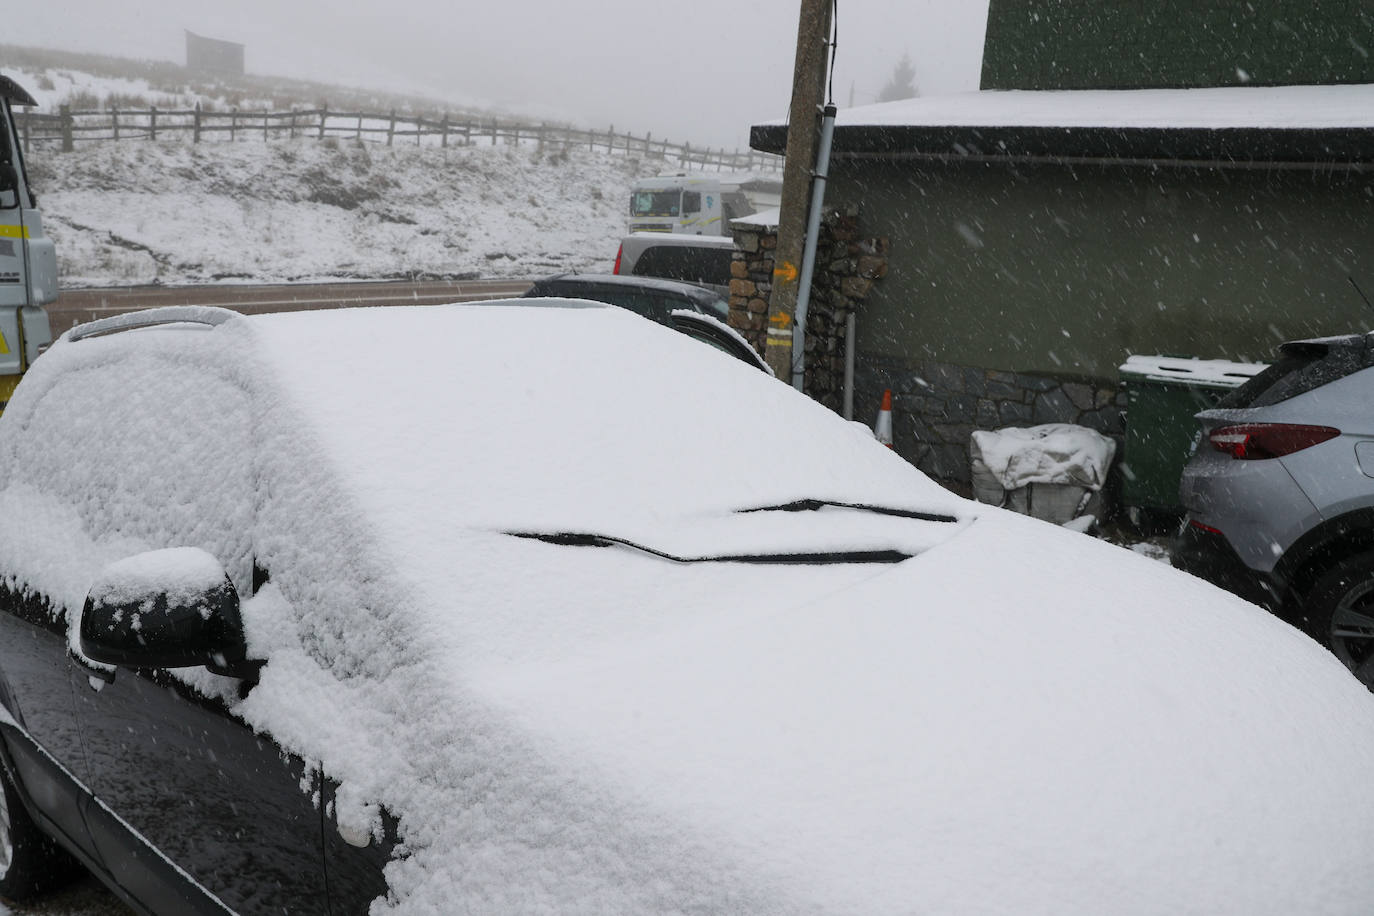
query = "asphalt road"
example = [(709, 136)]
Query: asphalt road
[(85, 897), (75, 306)]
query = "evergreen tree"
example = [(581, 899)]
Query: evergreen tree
[(902, 84)]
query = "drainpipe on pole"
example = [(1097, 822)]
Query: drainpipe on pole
[(813, 229)]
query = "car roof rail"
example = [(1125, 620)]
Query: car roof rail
[(210, 315)]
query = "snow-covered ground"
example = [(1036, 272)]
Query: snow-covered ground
[(292, 211)]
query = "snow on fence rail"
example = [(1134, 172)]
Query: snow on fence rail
[(69, 127)]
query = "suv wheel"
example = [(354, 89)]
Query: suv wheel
[(30, 862), (1341, 614)]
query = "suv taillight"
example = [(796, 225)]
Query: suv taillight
[(1268, 440), (619, 252)]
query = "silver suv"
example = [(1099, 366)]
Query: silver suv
[(1280, 494)]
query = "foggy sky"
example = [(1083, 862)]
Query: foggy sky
[(700, 72)]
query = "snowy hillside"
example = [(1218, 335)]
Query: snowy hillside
[(138, 212)]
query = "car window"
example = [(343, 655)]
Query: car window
[(691, 202), (686, 262), (655, 203), (700, 328), (717, 308), (192, 426), (653, 306), (1299, 369)]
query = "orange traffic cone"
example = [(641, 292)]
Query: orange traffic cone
[(882, 430)]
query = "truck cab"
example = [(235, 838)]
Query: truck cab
[(697, 205), (28, 260)]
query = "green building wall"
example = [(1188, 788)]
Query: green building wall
[(1134, 44), (1067, 270)]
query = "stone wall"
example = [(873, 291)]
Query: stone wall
[(847, 265), (937, 406)]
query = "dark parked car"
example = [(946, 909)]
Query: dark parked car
[(651, 297), (1280, 494), (694, 310)]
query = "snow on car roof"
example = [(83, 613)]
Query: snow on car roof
[(1019, 719), (1225, 107)]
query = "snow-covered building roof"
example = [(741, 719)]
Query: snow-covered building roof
[(1269, 123)]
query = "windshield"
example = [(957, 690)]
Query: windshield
[(656, 203), (647, 426)]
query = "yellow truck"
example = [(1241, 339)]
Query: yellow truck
[(28, 260)]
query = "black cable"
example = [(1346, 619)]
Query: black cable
[(834, 46)]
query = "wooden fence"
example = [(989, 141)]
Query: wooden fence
[(69, 127)]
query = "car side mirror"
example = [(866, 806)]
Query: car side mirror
[(9, 176), (171, 608)]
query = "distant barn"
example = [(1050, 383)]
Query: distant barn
[(212, 55)]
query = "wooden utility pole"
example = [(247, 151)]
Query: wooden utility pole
[(803, 130)]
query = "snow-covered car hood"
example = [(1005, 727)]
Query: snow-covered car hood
[(1019, 720)]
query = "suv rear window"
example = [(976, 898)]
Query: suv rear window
[(1299, 369), (684, 262)]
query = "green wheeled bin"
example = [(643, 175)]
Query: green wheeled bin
[(1163, 393)]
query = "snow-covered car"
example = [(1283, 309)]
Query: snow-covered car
[(451, 609)]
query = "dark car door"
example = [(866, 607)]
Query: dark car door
[(190, 811), (226, 807), (43, 742)]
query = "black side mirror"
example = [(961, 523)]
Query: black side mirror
[(9, 176), (165, 609)]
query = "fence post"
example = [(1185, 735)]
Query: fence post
[(195, 124), (65, 113), (495, 126), (264, 127), (610, 139), (152, 123), (360, 127), (324, 116), (648, 138), (390, 131), (233, 123), (292, 134), (114, 122), (443, 131)]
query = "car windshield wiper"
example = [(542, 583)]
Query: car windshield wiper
[(812, 558), (813, 505)]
